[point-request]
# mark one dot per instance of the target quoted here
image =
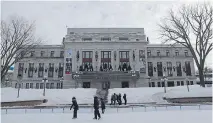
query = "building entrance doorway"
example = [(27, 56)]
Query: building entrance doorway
[(105, 85)]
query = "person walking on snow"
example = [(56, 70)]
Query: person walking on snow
[(119, 99), (103, 106), (112, 99), (125, 100), (96, 107), (75, 107)]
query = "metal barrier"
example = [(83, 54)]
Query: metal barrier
[(108, 110)]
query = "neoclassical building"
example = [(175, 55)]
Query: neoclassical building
[(105, 58)]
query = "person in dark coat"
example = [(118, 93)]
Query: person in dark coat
[(119, 99), (112, 100), (75, 107), (115, 98), (103, 106), (96, 107), (125, 100)]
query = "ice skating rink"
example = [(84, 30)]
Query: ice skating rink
[(184, 116)]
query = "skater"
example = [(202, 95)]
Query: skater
[(103, 106), (119, 99), (96, 107), (75, 107), (124, 97), (112, 99)]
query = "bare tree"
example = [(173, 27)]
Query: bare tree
[(191, 27), (17, 39)]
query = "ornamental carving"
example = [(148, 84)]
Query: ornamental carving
[(77, 56), (96, 55), (133, 55), (115, 55)]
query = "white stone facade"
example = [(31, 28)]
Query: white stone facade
[(130, 41)]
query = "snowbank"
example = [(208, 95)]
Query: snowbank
[(194, 91), (194, 116), (54, 96), (155, 95), (136, 95)]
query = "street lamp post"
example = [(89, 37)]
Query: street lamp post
[(44, 80), (187, 84), (62, 79), (133, 75), (164, 79), (19, 84)]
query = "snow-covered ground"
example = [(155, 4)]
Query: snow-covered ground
[(108, 109), (155, 95), (195, 116), (54, 96), (85, 96), (194, 91)]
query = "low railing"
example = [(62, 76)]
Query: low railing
[(109, 109)]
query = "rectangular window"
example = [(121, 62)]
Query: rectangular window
[(16, 85), (51, 85), (187, 82), (87, 60), (123, 39), (51, 70), (188, 68), (163, 84), (150, 84), (27, 85), (86, 39), (167, 53), (169, 68), (62, 54), (191, 83), (153, 84), (21, 69), (41, 70), (186, 53), (37, 85), (178, 67), (22, 54), (124, 61), (61, 70), (58, 86), (105, 39), (178, 83), (160, 68), (42, 53), (125, 84), (150, 69), (48, 85), (148, 53), (159, 84), (158, 52), (30, 70), (171, 83), (41, 85), (86, 84), (31, 85), (182, 83), (68, 64), (106, 60), (52, 53), (32, 53), (176, 53)]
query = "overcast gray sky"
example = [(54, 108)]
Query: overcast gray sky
[(53, 16)]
